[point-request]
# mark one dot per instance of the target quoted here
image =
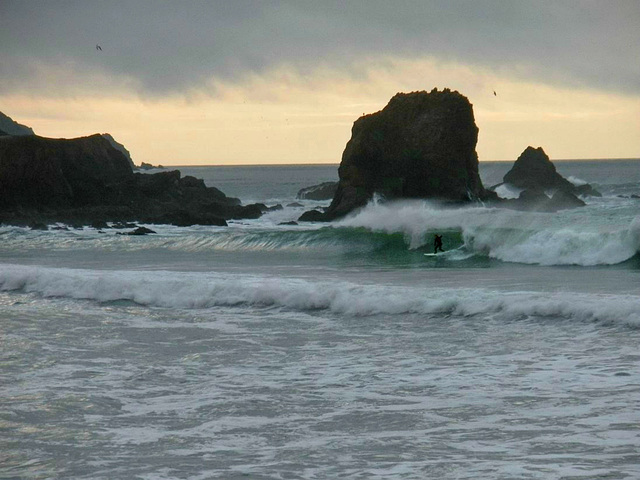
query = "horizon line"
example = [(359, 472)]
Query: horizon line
[(316, 164)]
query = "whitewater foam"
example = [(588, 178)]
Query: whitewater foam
[(508, 191), (576, 181), (522, 237), (190, 290)]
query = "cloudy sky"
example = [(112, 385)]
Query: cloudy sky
[(250, 82)]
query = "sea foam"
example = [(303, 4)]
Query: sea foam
[(205, 290)]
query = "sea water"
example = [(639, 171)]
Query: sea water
[(263, 350)]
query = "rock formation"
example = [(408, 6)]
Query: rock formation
[(87, 181), (148, 166), (534, 170), (11, 127), (37, 171), (323, 191), (120, 147), (421, 145), (536, 200)]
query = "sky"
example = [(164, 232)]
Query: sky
[(269, 82)]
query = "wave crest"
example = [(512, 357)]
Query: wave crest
[(512, 236), (190, 290)]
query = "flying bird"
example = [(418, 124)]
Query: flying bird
[(495, 94), (98, 47)]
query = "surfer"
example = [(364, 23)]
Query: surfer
[(437, 244)]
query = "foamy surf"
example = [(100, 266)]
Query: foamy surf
[(566, 246), (510, 236), (198, 291)]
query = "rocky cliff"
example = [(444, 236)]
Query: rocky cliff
[(10, 127), (38, 171), (120, 147), (421, 145), (87, 181)]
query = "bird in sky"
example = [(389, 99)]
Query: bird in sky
[(98, 47), (495, 94)]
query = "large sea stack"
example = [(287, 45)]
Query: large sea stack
[(421, 145)]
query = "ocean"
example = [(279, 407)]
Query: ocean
[(314, 351)]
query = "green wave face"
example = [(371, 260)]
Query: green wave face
[(347, 244), (338, 239)]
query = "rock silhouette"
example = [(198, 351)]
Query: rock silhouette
[(88, 181), (421, 145)]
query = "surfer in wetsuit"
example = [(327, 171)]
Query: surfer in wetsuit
[(437, 244)]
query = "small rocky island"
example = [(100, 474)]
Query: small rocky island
[(535, 175), (421, 145)]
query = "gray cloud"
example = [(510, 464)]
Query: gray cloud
[(166, 46)]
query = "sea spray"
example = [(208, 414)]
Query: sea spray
[(414, 219), (563, 246), (506, 235)]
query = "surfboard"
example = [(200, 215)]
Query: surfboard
[(432, 254)]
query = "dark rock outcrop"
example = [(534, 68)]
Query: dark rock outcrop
[(37, 171), (421, 145), (11, 127), (323, 191), (120, 147), (313, 216), (254, 210), (586, 190), (87, 181), (99, 224), (138, 231), (148, 166), (537, 201), (562, 200), (534, 170)]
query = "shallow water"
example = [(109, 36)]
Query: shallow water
[(123, 391)]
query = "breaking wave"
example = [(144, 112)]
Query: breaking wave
[(197, 291), (399, 230), (510, 236)]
